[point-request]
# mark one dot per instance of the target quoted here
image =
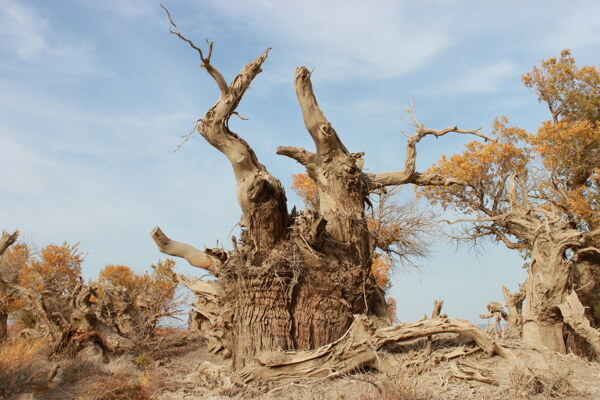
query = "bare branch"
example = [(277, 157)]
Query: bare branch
[(205, 61), (409, 174), (297, 153), (191, 254), (325, 138)]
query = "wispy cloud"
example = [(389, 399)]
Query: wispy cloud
[(580, 29), (40, 48), (345, 38), (486, 79)]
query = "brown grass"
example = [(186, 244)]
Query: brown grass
[(18, 372), (78, 369), (527, 384)]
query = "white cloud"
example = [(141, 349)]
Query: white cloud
[(579, 29), (26, 34), (344, 39), (486, 79)]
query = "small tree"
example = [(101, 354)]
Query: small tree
[(56, 266)]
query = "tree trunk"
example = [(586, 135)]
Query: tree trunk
[(545, 288), (3, 325), (587, 282), (293, 281)]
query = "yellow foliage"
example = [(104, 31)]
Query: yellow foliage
[(306, 189), (57, 266), (559, 163), (484, 166), (122, 275), (569, 150), (570, 92), (12, 263), (380, 268)]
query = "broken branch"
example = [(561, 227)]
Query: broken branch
[(189, 253)]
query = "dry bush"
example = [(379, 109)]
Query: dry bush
[(127, 387), (404, 385), (115, 387), (18, 369), (526, 384), (79, 369)]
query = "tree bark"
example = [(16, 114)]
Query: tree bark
[(514, 303), (3, 325), (545, 289)]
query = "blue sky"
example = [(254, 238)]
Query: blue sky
[(96, 96)]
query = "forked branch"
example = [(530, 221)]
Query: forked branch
[(205, 61), (409, 174)]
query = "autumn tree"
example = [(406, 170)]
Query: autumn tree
[(56, 266), (152, 293), (538, 193), (293, 280), (121, 275)]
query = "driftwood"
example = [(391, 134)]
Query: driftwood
[(359, 348)]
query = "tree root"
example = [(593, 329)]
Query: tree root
[(359, 348)]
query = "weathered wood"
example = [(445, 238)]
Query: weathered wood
[(358, 348), (7, 240), (514, 303), (574, 314), (437, 309), (293, 281)]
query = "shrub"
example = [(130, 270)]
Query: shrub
[(78, 369), (18, 372)]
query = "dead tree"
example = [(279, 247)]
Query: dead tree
[(294, 280)]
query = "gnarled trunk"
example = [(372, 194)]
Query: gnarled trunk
[(545, 288), (292, 281)]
